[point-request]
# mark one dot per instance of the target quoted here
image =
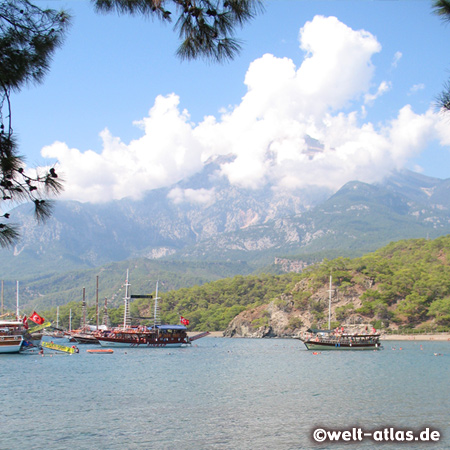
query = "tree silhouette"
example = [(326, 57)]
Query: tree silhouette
[(206, 28), (28, 38)]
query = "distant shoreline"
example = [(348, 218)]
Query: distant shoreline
[(211, 333), (415, 337), (384, 337)]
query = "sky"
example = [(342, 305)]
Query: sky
[(119, 114)]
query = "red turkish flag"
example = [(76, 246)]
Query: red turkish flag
[(24, 320), (184, 321), (36, 318)]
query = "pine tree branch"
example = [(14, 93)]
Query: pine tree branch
[(29, 37)]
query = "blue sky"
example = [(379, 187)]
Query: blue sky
[(120, 114)]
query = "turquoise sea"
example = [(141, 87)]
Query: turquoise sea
[(223, 394)]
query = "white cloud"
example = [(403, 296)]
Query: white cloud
[(166, 153), (384, 87), (196, 196), (416, 88), (397, 58), (267, 131)]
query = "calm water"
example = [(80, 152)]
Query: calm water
[(221, 394)]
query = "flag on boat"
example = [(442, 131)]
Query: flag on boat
[(36, 318), (25, 324), (184, 321)]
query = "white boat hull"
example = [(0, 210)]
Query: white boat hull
[(11, 344)]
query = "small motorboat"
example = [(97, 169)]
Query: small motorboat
[(100, 350)]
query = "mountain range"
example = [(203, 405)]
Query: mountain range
[(206, 219)]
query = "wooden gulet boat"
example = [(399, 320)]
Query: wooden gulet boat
[(160, 336), (338, 339), (333, 340), (169, 336)]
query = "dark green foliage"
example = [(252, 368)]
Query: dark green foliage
[(342, 312), (301, 300), (440, 310), (295, 322), (205, 28), (442, 8)]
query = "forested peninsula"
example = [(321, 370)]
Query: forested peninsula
[(403, 286)]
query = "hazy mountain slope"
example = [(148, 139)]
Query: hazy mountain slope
[(204, 218), (81, 235), (59, 289), (358, 218)]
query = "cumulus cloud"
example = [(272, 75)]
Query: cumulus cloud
[(384, 87), (165, 154), (196, 196), (295, 127)]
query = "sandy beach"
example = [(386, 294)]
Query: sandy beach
[(415, 337), (211, 333)]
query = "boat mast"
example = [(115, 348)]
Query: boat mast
[(57, 317), (2, 299), (83, 305), (126, 314), (329, 306), (70, 319), (157, 319)]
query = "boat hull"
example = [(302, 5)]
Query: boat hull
[(11, 344), (85, 340), (340, 347), (122, 344), (104, 351)]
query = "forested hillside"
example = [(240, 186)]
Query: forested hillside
[(45, 292), (405, 284)]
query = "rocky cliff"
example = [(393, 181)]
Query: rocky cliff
[(291, 314)]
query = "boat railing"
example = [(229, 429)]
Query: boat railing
[(332, 338)]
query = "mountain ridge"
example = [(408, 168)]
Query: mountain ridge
[(204, 218)]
